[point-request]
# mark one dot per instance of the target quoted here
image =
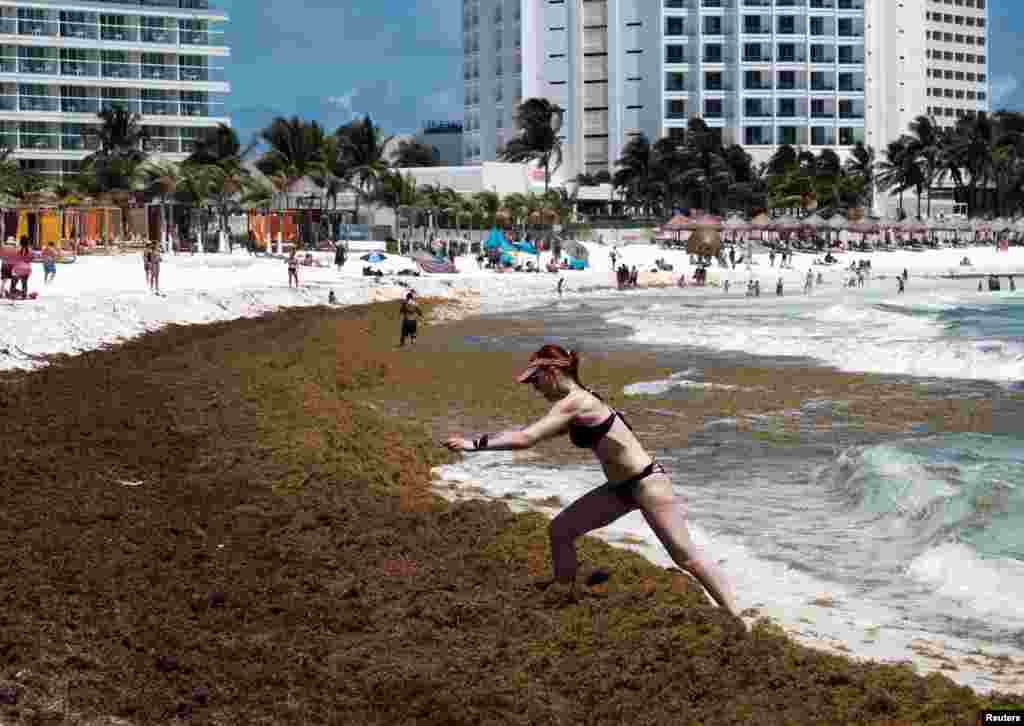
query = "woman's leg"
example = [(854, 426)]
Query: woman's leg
[(666, 514), (594, 510)]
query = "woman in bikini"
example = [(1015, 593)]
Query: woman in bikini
[(635, 480)]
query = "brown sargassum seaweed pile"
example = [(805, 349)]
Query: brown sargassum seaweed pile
[(233, 524)]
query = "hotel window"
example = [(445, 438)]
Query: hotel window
[(712, 25), (674, 54), (675, 81), (713, 107), (712, 81), (674, 25)]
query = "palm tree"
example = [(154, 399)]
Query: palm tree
[(861, 165), (218, 145), (488, 204), (539, 121), (361, 150), (634, 171), (296, 151), (410, 154), (225, 183), (162, 179), (398, 193), (295, 148), (704, 169), (894, 169), (114, 167), (969, 148), (926, 141)]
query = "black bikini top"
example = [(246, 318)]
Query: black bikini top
[(587, 437)]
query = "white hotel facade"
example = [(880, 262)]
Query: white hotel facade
[(62, 61), (812, 73)]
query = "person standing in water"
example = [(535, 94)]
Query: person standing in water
[(634, 479), (410, 311), (561, 286), (293, 269)]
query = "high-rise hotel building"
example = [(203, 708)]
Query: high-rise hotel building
[(62, 61), (812, 73)]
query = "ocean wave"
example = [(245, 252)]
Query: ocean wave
[(924, 492), (923, 339)]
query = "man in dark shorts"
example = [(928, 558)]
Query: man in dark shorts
[(410, 311)]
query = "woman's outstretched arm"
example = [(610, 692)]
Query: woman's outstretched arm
[(555, 423)]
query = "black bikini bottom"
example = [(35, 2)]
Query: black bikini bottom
[(624, 489)]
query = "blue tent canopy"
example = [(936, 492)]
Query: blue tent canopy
[(524, 246), (497, 240)]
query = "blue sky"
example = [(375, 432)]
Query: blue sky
[(401, 60)]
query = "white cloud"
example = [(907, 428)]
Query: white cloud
[(1003, 87)]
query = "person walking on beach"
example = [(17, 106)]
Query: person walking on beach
[(778, 287), (1013, 285), (561, 285), (154, 268), (634, 479), (809, 283), (293, 269), (410, 311), (49, 264), (339, 256), (147, 257), (902, 285)]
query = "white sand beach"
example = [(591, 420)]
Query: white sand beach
[(104, 299)]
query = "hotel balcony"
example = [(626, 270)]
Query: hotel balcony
[(157, 32), (185, 108), (75, 71)]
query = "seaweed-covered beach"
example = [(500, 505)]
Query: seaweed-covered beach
[(235, 524)]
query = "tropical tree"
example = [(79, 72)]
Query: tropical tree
[(218, 145), (895, 169), (635, 172), (861, 165), (398, 193), (925, 145), (488, 204), (162, 180), (704, 173), (119, 139), (362, 153), (411, 154), (295, 150), (969, 152), (539, 122)]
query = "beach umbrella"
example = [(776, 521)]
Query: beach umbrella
[(704, 241), (761, 220), (679, 221)]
